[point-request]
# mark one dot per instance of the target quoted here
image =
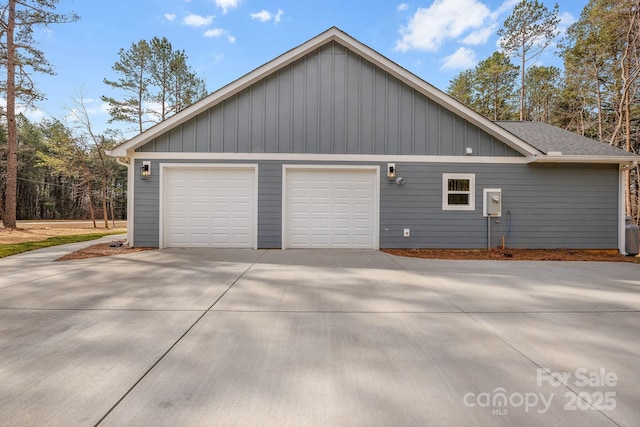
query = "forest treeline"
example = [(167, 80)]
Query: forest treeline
[(595, 94), (60, 169)]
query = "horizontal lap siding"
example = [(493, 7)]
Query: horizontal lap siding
[(552, 206), (146, 205), (270, 205)]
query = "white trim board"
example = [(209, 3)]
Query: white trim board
[(164, 166), (131, 182), (294, 157), (472, 191), (622, 235)]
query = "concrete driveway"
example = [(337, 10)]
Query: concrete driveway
[(297, 337)]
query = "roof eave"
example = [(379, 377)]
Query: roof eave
[(586, 159)]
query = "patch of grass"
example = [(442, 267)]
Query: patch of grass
[(17, 248)]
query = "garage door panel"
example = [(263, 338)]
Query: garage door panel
[(319, 240), (330, 208), (209, 207)]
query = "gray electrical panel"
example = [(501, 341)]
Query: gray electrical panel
[(493, 202)]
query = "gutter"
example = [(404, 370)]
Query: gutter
[(121, 160), (628, 161)]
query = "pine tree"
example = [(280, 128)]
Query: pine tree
[(18, 18), (526, 33), (156, 81)]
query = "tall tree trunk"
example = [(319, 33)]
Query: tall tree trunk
[(113, 215), (522, 76), (92, 212), (11, 189), (599, 101), (627, 135), (104, 204)]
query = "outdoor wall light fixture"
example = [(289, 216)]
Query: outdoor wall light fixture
[(145, 170), (391, 171), (391, 174)]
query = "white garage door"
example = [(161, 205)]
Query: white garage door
[(209, 207), (330, 208)]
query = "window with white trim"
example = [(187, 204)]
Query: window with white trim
[(458, 191)]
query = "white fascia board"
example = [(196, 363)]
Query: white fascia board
[(333, 34), (586, 159), (622, 201), (295, 157)]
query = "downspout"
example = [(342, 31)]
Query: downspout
[(622, 182)]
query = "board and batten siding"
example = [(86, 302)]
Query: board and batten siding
[(544, 206), (331, 101)]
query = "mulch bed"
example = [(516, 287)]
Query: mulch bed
[(120, 248), (516, 254), (103, 249)]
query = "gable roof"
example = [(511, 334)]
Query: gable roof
[(537, 141), (559, 143), (332, 35)]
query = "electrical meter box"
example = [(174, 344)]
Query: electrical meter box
[(492, 202)]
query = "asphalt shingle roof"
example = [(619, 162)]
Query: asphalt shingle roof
[(546, 138)]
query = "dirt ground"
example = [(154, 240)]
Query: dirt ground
[(34, 231), (517, 254), (102, 249)]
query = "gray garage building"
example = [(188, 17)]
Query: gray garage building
[(334, 145)]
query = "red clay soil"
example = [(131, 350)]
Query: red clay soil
[(106, 249), (516, 254), (101, 249)]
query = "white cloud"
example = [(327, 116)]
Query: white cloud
[(566, 19), (462, 59), (262, 16), (480, 36), (429, 27), (215, 32), (225, 5), (506, 6), (170, 16), (193, 20), (32, 113), (266, 16), (403, 6), (220, 32)]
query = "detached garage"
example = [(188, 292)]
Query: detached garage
[(331, 145)]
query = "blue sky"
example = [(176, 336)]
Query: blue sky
[(225, 39)]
